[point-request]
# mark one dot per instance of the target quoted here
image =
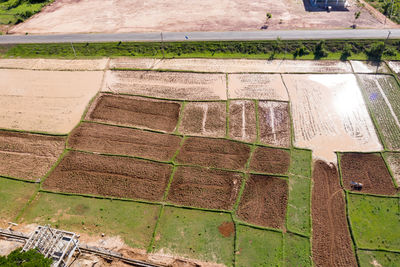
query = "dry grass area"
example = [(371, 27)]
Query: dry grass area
[(72, 16)]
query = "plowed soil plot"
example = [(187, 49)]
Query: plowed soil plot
[(28, 156), (109, 176), (124, 141), (274, 123), (264, 201), (394, 162), (135, 111), (215, 153), (270, 160), (329, 114), (171, 85), (331, 238), (204, 119), (205, 188), (368, 169), (242, 120), (53, 64), (257, 86)]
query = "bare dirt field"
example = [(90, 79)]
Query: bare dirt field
[(204, 119), (274, 122), (234, 65), (205, 188), (28, 156), (46, 101), (368, 169), (87, 16), (109, 176), (124, 141), (331, 243), (257, 86), (242, 120), (395, 66), (264, 201), (135, 111), (171, 85), (394, 164), (369, 67), (215, 153), (270, 160), (53, 64), (329, 114)]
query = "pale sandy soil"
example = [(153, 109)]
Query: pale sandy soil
[(394, 164), (45, 101), (234, 65), (54, 64), (87, 16), (395, 66), (172, 85), (369, 67), (329, 114), (257, 86)]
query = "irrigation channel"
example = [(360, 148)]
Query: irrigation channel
[(106, 254)]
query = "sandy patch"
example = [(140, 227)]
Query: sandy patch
[(329, 114), (170, 85), (369, 67), (257, 86), (394, 163), (54, 64), (46, 101), (87, 16), (6, 246), (395, 66), (234, 65)]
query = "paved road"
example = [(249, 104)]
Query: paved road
[(203, 36)]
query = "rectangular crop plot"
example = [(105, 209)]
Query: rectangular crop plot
[(135, 111), (204, 119), (270, 160), (215, 153), (264, 201), (242, 120), (257, 86), (170, 85), (274, 122), (393, 160), (368, 169), (369, 67), (382, 94), (112, 176), (28, 156), (124, 141), (205, 188), (298, 215), (329, 114), (297, 251)]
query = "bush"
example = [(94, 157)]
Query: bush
[(346, 51), (301, 51), (376, 50), (320, 50), (30, 258)]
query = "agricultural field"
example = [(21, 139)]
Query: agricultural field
[(224, 172)]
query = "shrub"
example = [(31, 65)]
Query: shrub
[(346, 51), (30, 258), (320, 50), (376, 50)]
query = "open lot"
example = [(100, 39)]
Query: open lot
[(270, 160), (243, 120), (64, 16)]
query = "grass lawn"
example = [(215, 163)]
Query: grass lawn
[(258, 247), (375, 221), (14, 195), (301, 162), (194, 234), (378, 258), (298, 213), (297, 251), (133, 222)]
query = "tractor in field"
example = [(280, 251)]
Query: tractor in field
[(356, 186)]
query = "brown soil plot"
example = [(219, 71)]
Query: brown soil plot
[(204, 119), (124, 141), (242, 120), (227, 228), (331, 243), (264, 201), (205, 188), (135, 111), (274, 123), (122, 177), (270, 160), (215, 153), (28, 156), (170, 85), (368, 169)]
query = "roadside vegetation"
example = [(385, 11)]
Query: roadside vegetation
[(276, 49), (389, 8), (17, 11), (25, 259)]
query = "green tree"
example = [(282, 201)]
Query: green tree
[(320, 50), (29, 258), (376, 50), (346, 52)]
